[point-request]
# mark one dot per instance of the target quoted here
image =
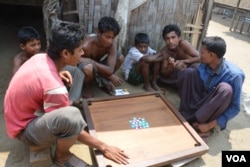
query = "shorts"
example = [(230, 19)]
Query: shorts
[(65, 122), (135, 78), (101, 81)]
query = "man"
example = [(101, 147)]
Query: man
[(101, 59), (210, 95), (178, 51), (37, 101)]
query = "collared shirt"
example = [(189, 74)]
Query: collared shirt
[(231, 74)]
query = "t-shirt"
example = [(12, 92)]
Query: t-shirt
[(36, 87), (133, 56)]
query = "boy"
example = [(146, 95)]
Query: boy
[(182, 53), (41, 104), (137, 68), (101, 59), (213, 90), (30, 43)]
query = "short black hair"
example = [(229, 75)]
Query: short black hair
[(108, 24), (26, 34), (216, 45), (141, 38), (169, 28), (64, 36)]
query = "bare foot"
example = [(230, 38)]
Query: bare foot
[(87, 94), (148, 88), (109, 89), (155, 87), (204, 136)]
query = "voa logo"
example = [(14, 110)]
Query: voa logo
[(236, 158)]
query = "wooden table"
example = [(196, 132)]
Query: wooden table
[(169, 138)]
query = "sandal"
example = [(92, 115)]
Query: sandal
[(73, 161)]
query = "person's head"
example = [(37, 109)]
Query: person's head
[(171, 34), (212, 47), (108, 29), (65, 43), (141, 42), (29, 40)]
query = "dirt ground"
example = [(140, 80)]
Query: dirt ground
[(235, 137)]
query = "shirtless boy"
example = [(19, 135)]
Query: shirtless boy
[(101, 59), (30, 43), (178, 51)]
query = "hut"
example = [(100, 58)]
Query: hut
[(149, 16)]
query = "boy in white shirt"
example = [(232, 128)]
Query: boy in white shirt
[(139, 65)]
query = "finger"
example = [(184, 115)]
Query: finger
[(121, 159)]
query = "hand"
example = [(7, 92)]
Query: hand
[(115, 154), (179, 64), (117, 81), (66, 77)]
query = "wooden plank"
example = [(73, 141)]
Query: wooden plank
[(192, 32), (194, 26)]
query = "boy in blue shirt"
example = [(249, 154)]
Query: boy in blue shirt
[(213, 90)]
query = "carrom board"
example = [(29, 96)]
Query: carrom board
[(162, 138)]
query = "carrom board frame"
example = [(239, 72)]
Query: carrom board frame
[(168, 139)]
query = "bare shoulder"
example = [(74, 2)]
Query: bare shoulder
[(88, 42), (185, 44), (18, 57), (187, 49)]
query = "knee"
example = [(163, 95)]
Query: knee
[(71, 122), (186, 72), (73, 114), (189, 70), (225, 89), (120, 59), (88, 70)]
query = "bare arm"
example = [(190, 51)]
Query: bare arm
[(108, 69), (191, 51), (17, 62), (110, 152), (152, 58)]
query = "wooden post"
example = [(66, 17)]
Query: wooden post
[(235, 12)]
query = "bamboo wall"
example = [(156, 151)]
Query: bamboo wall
[(152, 16), (91, 11)]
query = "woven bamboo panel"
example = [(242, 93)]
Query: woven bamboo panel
[(91, 10), (95, 9), (150, 18)]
